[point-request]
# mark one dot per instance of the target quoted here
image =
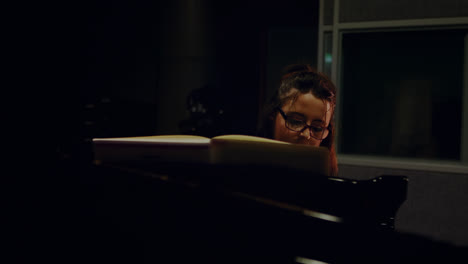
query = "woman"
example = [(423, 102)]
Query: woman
[(302, 111)]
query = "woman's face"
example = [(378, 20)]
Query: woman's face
[(308, 108)]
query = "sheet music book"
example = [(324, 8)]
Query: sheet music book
[(224, 149)]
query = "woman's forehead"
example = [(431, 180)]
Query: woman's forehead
[(310, 106), (308, 102)]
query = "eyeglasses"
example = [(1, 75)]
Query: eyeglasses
[(297, 125)]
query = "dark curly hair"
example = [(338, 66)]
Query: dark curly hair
[(302, 79)]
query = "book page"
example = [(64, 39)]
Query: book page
[(153, 149), (249, 150), (173, 139), (245, 138)]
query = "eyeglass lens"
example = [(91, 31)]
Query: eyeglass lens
[(299, 126)]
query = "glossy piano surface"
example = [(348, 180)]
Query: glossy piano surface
[(371, 202)]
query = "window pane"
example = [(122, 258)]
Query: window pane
[(378, 10), (328, 12), (402, 93)]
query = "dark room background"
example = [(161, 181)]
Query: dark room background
[(136, 64)]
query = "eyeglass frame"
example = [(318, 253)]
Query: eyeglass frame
[(305, 126)]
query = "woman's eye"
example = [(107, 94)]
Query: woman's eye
[(296, 122), (317, 129)]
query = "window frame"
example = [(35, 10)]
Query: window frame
[(338, 30)]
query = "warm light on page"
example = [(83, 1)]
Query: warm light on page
[(308, 261)]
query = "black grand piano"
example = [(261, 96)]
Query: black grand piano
[(184, 213)]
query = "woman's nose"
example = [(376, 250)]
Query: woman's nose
[(306, 133)]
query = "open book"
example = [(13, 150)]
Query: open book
[(225, 149)]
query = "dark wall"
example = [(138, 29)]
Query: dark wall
[(107, 64)]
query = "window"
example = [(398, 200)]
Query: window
[(402, 93), (402, 78)]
